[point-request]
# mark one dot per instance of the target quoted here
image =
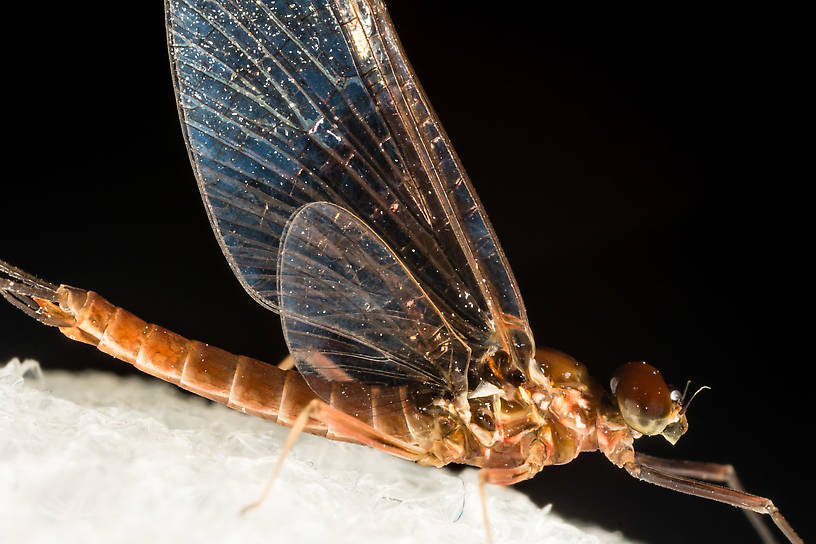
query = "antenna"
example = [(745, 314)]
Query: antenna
[(683, 410), (685, 390)]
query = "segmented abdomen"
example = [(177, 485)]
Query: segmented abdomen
[(243, 383)]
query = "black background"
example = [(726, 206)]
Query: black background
[(642, 170)]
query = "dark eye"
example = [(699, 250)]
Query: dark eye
[(643, 397)]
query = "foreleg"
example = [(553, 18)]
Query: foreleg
[(678, 476)]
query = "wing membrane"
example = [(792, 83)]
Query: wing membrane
[(293, 102), (351, 311), (434, 163)]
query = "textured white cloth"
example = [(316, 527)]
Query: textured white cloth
[(93, 457)]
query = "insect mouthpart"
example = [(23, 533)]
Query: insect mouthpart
[(674, 431)]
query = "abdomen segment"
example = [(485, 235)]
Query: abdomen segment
[(240, 382), (243, 383)]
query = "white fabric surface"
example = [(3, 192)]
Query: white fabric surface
[(93, 457)]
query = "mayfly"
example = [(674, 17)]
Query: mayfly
[(340, 204)]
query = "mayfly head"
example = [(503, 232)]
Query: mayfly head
[(646, 403)]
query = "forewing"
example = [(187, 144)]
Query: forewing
[(287, 103), (352, 312), (431, 159)]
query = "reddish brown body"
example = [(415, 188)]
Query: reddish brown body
[(244, 383), (511, 427), (239, 382), (522, 438)]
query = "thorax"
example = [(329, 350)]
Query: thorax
[(548, 419)]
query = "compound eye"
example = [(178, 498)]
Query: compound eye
[(643, 397)]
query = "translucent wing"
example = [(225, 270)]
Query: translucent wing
[(351, 311), (287, 103)]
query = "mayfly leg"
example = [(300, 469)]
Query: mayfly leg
[(345, 425), (711, 472), (677, 476), (498, 476)]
